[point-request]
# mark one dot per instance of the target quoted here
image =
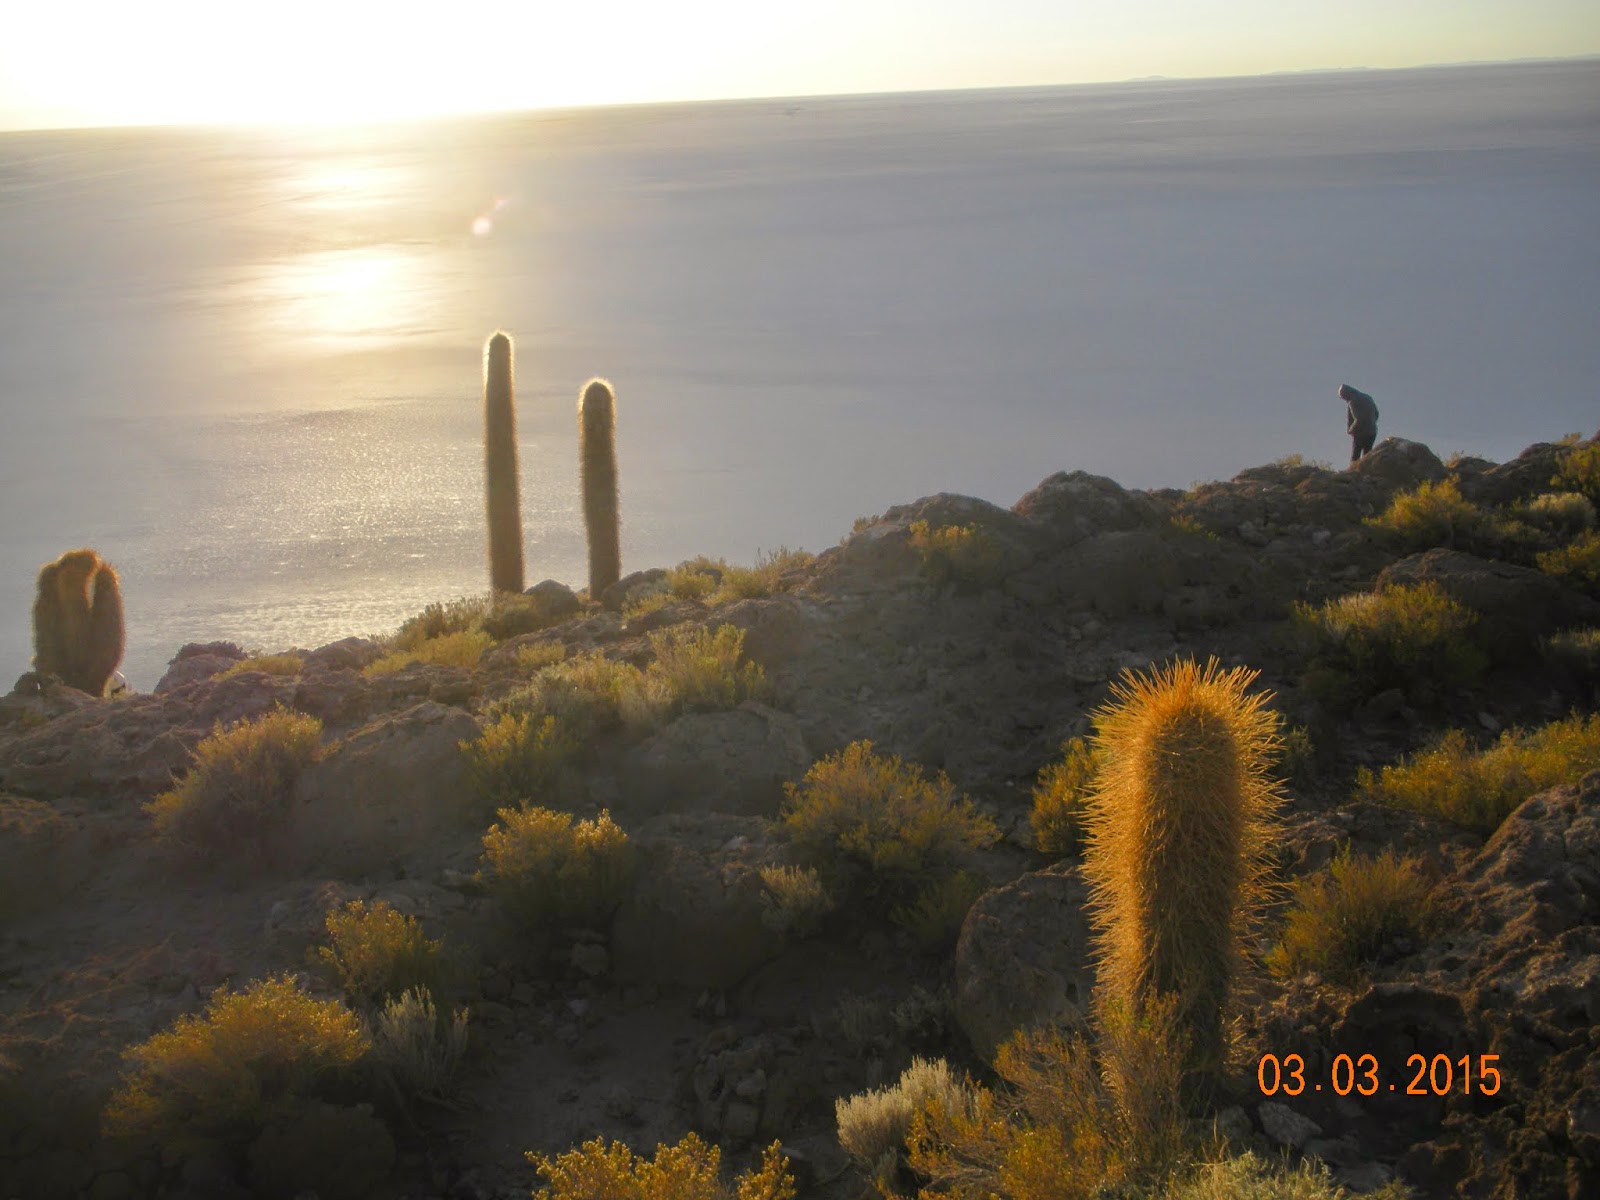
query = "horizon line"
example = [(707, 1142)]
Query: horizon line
[(471, 114)]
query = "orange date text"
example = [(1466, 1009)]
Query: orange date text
[(1423, 1075)]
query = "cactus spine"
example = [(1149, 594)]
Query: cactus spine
[(78, 633), (597, 469), (500, 467), (1178, 821)]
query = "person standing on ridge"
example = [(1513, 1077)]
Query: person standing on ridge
[(1361, 420)]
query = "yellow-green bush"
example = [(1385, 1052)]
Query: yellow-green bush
[(1575, 650), (691, 1170), (960, 554), (1577, 562), (545, 866), (1250, 1178), (518, 760), (1076, 1116), (1479, 789), (588, 695), (795, 902), (266, 664), (538, 655), (1408, 636), (934, 916), (864, 813), (704, 669), (1060, 800), (462, 649), (1434, 514), (236, 796), (249, 1059), (464, 615), (379, 952), (1342, 917), (766, 578), (1559, 512), (1579, 471)]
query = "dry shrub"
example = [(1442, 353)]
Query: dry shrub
[(934, 917), (251, 1058), (1579, 471), (236, 797), (1576, 563), (546, 867), (1565, 513), (538, 655), (691, 1170), (795, 903), (1075, 1116), (873, 1125), (1250, 1178), (1344, 916), (863, 814), (1434, 514), (416, 1049), (704, 670), (1478, 789), (463, 615), (379, 952), (1060, 800)]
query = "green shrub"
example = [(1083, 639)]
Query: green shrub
[(266, 664), (1434, 514), (1577, 562), (795, 903), (863, 813), (518, 760), (462, 649), (252, 1057), (766, 578), (587, 695), (1579, 471), (1575, 650), (1059, 800), (960, 554), (547, 867), (538, 655), (1408, 636), (1479, 789), (934, 917), (236, 797), (1075, 1118), (512, 615), (1564, 513), (1297, 757), (416, 1049), (1343, 917), (378, 952), (691, 1170)]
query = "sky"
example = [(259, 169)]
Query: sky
[(111, 62)]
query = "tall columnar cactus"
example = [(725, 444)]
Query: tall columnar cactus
[(597, 468), (1178, 823), (77, 621), (500, 467)]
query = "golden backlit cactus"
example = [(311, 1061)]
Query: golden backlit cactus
[(500, 467), (1178, 820), (597, 469), (78, 632)]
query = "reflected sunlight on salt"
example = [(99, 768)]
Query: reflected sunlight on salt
[(346, 185), (327, 298)]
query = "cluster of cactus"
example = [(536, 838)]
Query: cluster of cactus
[(597, 461), (1178, 822), (77, 621)]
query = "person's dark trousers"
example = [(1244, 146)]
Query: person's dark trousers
[(1361, 442)]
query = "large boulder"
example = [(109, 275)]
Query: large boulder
[(1529, 474), (197, 661), (693, 916), (727, 762), (630, 587), (1072, 505), (390, 789), (882, 555), (1517, 606), (1023, 957), (1402, 463)]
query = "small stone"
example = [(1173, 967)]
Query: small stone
[(1233, 1124), (1489, 722), (1364, 1177), (496, 986), (1336, 1152), (591, 958), (620, 1104), (577, 1006), (112, 1185), (523, 994), (1285, 1126), (1321, 537), (752, 1086)]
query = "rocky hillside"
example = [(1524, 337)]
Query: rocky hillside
[(962, 637)]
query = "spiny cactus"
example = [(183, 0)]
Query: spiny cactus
[(1178, 820), (597, 468), (500, 467), (77, 621)]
